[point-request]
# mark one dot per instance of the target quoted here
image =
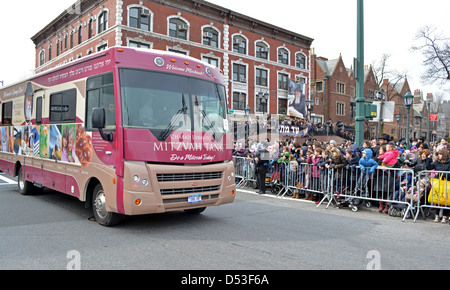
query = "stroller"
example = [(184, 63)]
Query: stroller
[(361, 190)]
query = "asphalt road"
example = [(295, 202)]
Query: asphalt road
[(53, 231)]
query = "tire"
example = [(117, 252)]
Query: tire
[(195, 210), (24, 187), (101, 215), (354, 208)]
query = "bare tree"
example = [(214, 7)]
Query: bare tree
[(436, 51), (382, 72)]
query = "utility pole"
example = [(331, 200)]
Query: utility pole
[(360, 100)]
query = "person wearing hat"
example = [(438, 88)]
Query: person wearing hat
[(384, 140)]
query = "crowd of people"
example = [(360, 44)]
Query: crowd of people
[(371, 154)]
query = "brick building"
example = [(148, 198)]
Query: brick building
[(256, 58)]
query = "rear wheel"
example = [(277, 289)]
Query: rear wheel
[(102, 216)]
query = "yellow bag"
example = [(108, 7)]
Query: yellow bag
[(440, 192)]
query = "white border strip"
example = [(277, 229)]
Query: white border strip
[(7, 180)]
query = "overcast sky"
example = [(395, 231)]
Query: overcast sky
[(390, 27)]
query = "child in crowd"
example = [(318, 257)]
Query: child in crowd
[(367, 166), (389, 158)]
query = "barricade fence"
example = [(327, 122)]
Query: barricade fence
[(396, 191)]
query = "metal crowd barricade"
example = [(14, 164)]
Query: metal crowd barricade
[(244, 169), (350, 186), (306, 177), (432, 192)]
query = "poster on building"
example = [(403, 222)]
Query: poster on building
[(296, 100)]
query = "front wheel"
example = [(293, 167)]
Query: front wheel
[(102, 216), (24, 187)]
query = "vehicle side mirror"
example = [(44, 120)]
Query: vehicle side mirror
[(98, 122)]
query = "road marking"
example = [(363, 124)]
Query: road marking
[(7, 180), (274, 196)]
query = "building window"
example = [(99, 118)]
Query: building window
[(239, 73), (58, 47), (239, 44), (283, 56), (71, 40), (138, 44), (261, 77), (210, 37), (90, 28), (102, 47), (283, 80), (262, 101), (178, 28), (102, 21), (139, 18), (50, 52), (300, 61), (211, 60), (262, 50), (80, 35), (41, 58), (340, 88), (340, 109), (239, 101), (282, 106), (319, 86)]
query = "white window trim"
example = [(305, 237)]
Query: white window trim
[(143, 7), (219, 36), (98, 19), (268, 46), (183, 19), (306, 60), (246, 40), (289, 55)]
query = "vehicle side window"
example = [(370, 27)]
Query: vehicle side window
[(100, 94)]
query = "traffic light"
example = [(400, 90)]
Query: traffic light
[(370, 111)]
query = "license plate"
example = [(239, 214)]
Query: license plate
[(195, 198)]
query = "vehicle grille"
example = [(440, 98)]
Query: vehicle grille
[(189, 190), (189, 176)]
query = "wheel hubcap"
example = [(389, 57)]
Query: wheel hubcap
[(100, 204)]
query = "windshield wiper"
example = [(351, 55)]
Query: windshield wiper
[(181, 113), (209, 125)]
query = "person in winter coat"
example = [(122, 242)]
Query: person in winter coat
[(389, 158), (367, 166), (261, 166), (315, 173), (441, 163), (337, 163)]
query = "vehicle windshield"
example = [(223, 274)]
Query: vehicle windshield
[(164, 102)]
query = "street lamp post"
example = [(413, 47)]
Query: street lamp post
[(310, 105), (398, 120), (360, 100), (408, 99), (247, 111), (428, 131)]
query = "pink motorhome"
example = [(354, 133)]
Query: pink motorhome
[(127, 131)]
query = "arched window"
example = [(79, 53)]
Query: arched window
[(262, 50), (210, 37), (239, 44), (41, 58), (102, 22), (283, 56), (178, 28), (300, 60)]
